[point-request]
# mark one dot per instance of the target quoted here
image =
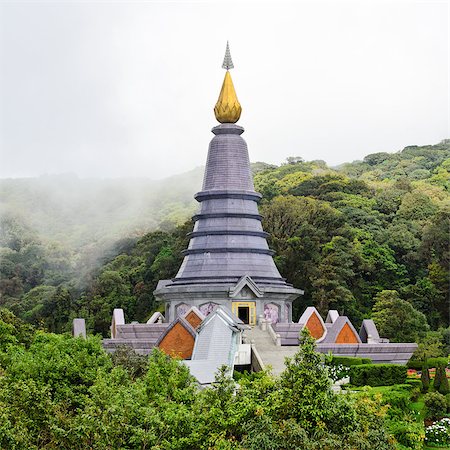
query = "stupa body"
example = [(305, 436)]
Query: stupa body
[(228, 261)]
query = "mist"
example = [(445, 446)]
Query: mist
[(126, 89)]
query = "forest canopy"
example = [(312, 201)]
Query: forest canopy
[(354, 237)]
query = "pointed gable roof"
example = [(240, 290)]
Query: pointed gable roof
[(368, 331), (194, 316), (312, 320), (178, 339), (332, 316), (216, 344), (156, 317), (342, 332), (245, 281)]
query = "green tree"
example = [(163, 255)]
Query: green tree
[(396, 319), (425, 378)]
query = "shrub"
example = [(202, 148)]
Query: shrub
[(447, 397), (398, 401), (436, 404), (444, 387), (414, 382), (438, 376), (431, 362), (414, 392), (438, 434), (425, 379), (377, 374), (414, 364), (348, 361), (408, 434), (135, 364)]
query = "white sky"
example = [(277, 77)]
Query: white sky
[(114, 89)]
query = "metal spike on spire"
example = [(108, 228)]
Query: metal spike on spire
[(227, 61)]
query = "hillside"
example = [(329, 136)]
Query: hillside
[(73, 247)]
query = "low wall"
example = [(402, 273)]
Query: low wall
[(378, 353)]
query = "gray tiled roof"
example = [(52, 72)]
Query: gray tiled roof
[(141, 337), (149, 331), (215, 345), (228, 240)]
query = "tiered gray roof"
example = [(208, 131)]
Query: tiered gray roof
[(228, 240)]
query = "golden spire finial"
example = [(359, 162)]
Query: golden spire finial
[(227, 109)]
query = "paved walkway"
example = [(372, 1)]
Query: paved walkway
[(270, 354)]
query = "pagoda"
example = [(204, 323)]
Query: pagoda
[(228, 261)]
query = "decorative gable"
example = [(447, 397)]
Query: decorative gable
[(156, 317), (178, 340), (332, 316), (245, 288), (347, 336), (342, 332), (312, 320), (194, 317), (368, 332)]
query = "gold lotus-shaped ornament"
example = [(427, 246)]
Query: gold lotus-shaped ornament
[(227, 109)]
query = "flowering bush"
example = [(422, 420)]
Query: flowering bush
[(338, 372), (438, 433)]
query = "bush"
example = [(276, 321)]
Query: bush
[(444, 387), (438, 434), (414, 382), (414, 364), (436, 405), (408, 434), (415, 390), (438, 377), (425, 379), (132, 362), (398, 401), (447, 397), (377, 374), (348, 361)]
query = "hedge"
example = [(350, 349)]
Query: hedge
[(377, 374), (414, 382), (348, 361), (414, 364)]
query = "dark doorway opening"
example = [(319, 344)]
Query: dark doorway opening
[(244, 314)]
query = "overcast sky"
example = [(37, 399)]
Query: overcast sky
[(114, 89)]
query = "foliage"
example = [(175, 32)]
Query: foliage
[(350, 360), (436, 404), (63, 392), (408, 434), (444, 388), (438, 362), (397, 319), (425, 378), (377, 374), (125, 357), (77, 248), (438, 433)]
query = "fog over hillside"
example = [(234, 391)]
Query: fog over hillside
[(82, 221), (76, 211)]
